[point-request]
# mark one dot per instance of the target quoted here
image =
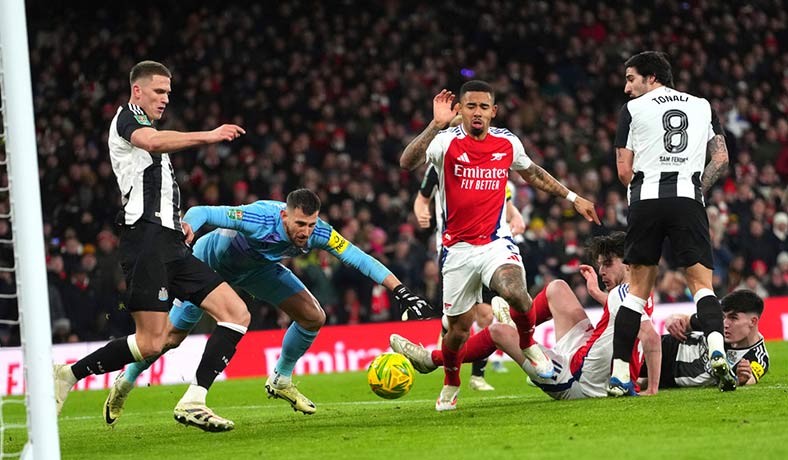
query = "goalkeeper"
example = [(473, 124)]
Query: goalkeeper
[(245, 250)]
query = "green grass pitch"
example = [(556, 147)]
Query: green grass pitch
[(514, 421)]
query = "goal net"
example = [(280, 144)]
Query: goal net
[(32, 433)]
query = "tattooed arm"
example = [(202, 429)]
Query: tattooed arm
[(416, 151), (624, 161), (537, 177), (718, 151)]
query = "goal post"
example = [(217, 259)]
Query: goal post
[(26, 222)]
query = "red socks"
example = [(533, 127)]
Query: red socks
[(538, 314), (525, 326), (478, 346), (452, 360), (541, 308)]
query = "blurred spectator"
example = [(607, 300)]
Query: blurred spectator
[(56, 275), (780, 230), (672, 288), (778, 283), (79, 299), (760, 245)]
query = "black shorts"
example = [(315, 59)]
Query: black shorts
[(682, 220), (487, 294), (160, 267)]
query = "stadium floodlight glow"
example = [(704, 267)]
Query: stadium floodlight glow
[(26, 220)]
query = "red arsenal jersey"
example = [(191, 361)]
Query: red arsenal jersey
[(473, 176)]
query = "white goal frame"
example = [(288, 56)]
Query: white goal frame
[(26, 222)]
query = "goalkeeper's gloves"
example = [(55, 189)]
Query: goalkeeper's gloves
[(412, 306)]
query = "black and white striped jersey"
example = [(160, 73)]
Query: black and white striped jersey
[(691, 366), (147, 181), (668, 131)]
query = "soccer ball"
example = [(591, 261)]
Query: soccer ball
[(390, 375)]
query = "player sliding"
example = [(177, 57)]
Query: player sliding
[(246, 250), (582, 352), (473, 162)]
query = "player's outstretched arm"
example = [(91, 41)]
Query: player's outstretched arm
[(652, 352), (541, 179), (718, 151), (154, 141), (411, 305), (443, 112), (232, 217)]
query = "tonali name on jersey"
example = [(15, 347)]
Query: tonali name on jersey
[(473, 175), (668, 130)]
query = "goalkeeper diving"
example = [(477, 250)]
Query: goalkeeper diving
[(246, 250)]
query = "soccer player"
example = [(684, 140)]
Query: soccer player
[(582, 352), (662, 140), (156, 261), (685, 360), (429, 189), (473, 162), (246, 250)]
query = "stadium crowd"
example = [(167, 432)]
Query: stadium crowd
[(331, 92)]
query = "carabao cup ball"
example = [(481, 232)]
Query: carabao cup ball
[(390, 375)]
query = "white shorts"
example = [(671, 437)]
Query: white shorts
[(466, 267), (563, 385)]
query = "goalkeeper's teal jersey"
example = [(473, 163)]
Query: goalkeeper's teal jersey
[(253, 234)]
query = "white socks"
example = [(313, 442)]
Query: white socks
[(280, 381), (621, 370), (716, 343), (195, 395)]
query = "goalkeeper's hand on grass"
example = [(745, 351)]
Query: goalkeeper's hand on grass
[(412, 306)]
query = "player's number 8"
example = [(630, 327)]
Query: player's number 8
[(672, 129)]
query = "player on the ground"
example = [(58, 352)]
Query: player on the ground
[(246, 250), (156, 262), (685, 357), (473, 162), (430, 189), (662, 140), (582, 352)]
